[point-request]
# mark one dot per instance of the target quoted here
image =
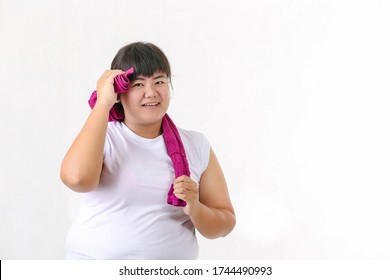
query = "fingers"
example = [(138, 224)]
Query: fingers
[(185, 188), (105, 87), (115, 71), (185, 182), (183, 178), (111, 74), (188, 190)]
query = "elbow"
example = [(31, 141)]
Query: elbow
[(225, 229), (230, 224), (78, 183), (219, 234)]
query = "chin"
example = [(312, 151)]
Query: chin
[(151, 118)]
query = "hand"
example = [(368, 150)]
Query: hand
[(105, 88), (186, 189)]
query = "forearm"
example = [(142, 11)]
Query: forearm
[(211, 222), (83, 162)]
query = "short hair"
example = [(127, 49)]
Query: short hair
[(146, 58)]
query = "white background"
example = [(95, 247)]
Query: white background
[(293, 96)]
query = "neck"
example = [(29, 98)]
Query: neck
[(148, 131)]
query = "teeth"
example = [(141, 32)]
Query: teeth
[(151, 104)]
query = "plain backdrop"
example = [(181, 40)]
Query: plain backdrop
[(292, 95)]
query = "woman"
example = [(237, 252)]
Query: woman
[(125, 172)]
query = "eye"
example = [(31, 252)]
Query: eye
[(160, 82), (138, 85)]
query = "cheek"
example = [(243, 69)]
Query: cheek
[(129, 97), (167, 98), (167, 95)]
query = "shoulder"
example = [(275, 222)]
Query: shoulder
[(191, 137), (114, 137), (114, 127), (190, 133), (116, 131), (197, 147)]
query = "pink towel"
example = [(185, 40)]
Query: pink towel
[(177, 154), (121, 85), (171, 135)]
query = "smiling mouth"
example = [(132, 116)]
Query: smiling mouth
[(151, 104)]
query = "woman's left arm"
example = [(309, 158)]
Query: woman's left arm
[(208, 206)]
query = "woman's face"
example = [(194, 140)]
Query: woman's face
[(147, 100)]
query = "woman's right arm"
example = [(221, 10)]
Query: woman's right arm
[(82, 164)]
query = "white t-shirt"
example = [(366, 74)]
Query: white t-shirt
[(127, 216)]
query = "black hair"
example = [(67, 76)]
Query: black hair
[(146, 58)]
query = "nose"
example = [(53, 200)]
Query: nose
[(150, 91)]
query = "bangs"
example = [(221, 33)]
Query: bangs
[(146, 58), (148, 63)]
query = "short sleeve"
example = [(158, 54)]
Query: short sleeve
[(205, 152), (197, 150)]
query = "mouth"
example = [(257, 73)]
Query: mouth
[(151, 104)]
